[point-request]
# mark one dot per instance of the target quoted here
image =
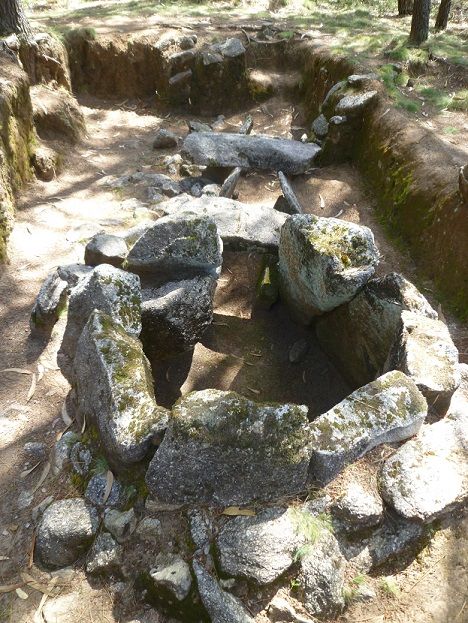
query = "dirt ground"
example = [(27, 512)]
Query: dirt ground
[(54, 220)]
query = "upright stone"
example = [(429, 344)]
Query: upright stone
[(49, 303)]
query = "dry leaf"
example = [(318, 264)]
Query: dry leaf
[(65, 417), (18, 370), (84, 425), (109, 483), (339, 214), (38, 618), (21, 594), (31, 551), (4, 558), (32, 389), (254, 391), (235, 510), (8, 588), (40, 371), (44, 475), (28, 471), (322, 202)]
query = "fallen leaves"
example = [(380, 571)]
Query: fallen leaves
[(44, 474), (109, 483), (32, 389), (235, 511)]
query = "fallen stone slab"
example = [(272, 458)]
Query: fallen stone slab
[(175, 316), (289, 194), (109, 290), (221, 448), (49, 303), (114, 390), (358, 335), (178, 246), (241, 226), (106, 249), (249, 152), (423, 349), (323, 263), (428, 476), (387, 410), (65, 531)]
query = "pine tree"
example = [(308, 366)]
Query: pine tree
[(443, 14), (405, 7), (13, 18), (420, 22)]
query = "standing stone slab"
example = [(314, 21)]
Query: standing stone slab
[(65, 531), (222, 448), (323, 263), (359, 335), (49, 303), (423, 349), (249, 152), (178, 246), (114, 390), (106, 289), (428, 476), (387, 410)]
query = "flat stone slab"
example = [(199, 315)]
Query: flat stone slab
[(387, 410), (428, 476), (241, 226), (249, 152), (221, 448)]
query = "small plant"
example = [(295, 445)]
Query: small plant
[(100, 466), (295, 584), (389, 586), (351, 591), (310, 527)]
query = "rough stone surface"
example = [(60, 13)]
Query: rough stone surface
[(65, 531), (428, 476), (73, 273), (423, 349), (62, 451), (80, 458), (222, 607), (279, 609), (105, 556), (49, 303), (354, 105), (259, 548), (164, 139), (121, 524), (175, 316), (222, 448), (114, 390), (257, 152), (46, 163), (173, 574), (106, 289), (149, 529), (359, 335), (96, 488), (320, 126), (106, 249), (241, 226), (178, 246), (358, 508), (387, 410), (36, 450), (323, 263)]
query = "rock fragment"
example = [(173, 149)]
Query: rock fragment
[(172, 573), (106, 249), (358, 509), (105, 556), (49, 303), (165, 139), (121, 524)]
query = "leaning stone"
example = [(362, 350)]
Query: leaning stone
[(179, 246), (356, 105), (289, 194), (105, 556), (106, 249), (249, 152), (331, 98), (359, 335), (428, 476), (230, 183), (164, 139), (106, 289), (323, 263), (73, 273), (46, 163), (121, 524), (149, 529), (221, 448), (49, 304), (320, 126), (423, 349), (175, 316), (387, 410), (172, 573), (114, 390), (222, 607), (65, 531), (96, 489), (358, 508), (259, 548)]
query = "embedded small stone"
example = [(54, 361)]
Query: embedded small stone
[(165, 139), (106, 249), (96, 489), (231, 48), (49, 303), (358, 508), (36, 450), (173, 574), (323, 263), (320, 126), (65, 531), (165, 185), (105, 556), (198, 126), (80, 458), (121, 524), (387, 410), (356, 104), (62, 451), (149, 529)]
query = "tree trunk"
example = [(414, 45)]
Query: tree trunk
[(13, 18), (443, 14), (405, 7), (420, 22)]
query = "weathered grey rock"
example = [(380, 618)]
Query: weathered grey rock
[(230, 183), (149, 529), (241, 226), (289, 194), (249, 152), (230, 48), (423, 349), (62, 451), (106, 249), (105, 556), (260, 548), (320, 126), (361, 80), (359, 335), (49, 303), (36, 450), (121, 524), (355, 105), (175, 316), (114, 390), (96, 489), (428, 476), (222, 607), (165, 185), (73, 273), (106, 289), (81, 458), (222, 448), (198, 126), (164, 139), (279, 609), (322, 576), (179, 246), (387, 410), (211, 190), (323, 263), (172, 573), (358, 508), (65, 531), (328, 103)]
